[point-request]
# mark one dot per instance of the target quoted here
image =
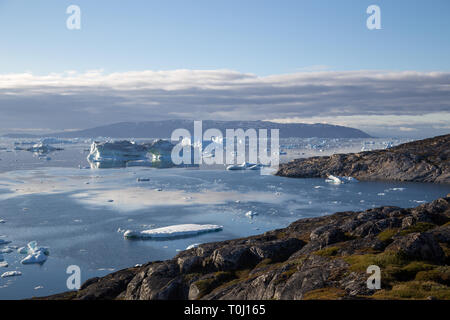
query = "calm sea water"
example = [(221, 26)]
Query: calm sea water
[(77, 212)]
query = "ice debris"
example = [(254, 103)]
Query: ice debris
[(180, 230)]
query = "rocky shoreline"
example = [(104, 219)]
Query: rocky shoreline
[(316, 258), (420, 161)]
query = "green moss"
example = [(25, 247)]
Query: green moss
[(414, 290), (263, 263), (384, 259), (386, 235), (329, 293), (205, 286), (440, 275), (327, 252), (418, 227)]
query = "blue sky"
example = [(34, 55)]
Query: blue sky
[(288, 61), (260, 37)]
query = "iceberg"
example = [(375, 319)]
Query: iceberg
[(244, 166), (42, 148), (251, 214), (11, 274), (339, 179), (55, 141), (180, 230), (129, 153), (35, 254)]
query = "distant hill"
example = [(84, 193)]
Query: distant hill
[(164, 129)]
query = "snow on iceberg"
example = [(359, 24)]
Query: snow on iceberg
[(180, 230), (35, 254), (339, 179), (11, 274)]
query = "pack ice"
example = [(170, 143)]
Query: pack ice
[(180, 230)]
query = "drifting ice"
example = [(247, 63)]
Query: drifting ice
[(11, 274), (244, 166), (339, 180), (34, 253), (180, 230)]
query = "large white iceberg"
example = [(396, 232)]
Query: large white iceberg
[(129, 153), (179, 230), (35, 254)]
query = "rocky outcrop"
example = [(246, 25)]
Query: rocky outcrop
[(316, 258), (422, 161)]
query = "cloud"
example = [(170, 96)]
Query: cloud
[(81, 100)]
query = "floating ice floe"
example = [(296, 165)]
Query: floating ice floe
[(11, 274), (180, 230), (6, 250), (35, 254), (339, 179), (42, 148), (244, 166), (251, 213)]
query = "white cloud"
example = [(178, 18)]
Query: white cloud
[(354, 98)]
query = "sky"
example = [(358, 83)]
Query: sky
[(287, 61)]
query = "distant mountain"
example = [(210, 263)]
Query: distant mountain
[(164, 129)]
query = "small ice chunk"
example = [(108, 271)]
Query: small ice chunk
[(6, 250), (38, 287), (3, 242), (142, 179), (381, 194), (339, 179), (2, 221), (11, 274), (251, 213), (180, 230), (192, 246), (3, 264)]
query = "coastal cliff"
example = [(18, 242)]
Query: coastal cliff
[(420, 161), (316, 258)]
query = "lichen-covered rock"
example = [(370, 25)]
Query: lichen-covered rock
[(422, 161), (324, 257)]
